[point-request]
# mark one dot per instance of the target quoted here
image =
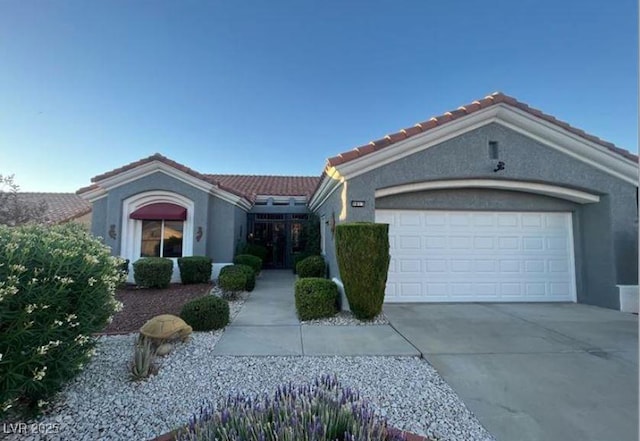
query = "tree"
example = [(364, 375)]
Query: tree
[(16, 210)]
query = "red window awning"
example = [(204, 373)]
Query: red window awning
[(160, 211)]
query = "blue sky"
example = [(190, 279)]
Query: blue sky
[(276, 87)]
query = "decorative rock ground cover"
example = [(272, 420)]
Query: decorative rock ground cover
[(346, 318), (102, 404)]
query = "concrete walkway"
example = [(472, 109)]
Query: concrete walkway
[(268, 325)]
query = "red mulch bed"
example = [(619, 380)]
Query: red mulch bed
[(141, 304)]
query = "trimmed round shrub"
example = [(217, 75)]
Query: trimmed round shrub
[(195, 269), (57, 288), (232, 282), (206, 313), (316, 298), (362, 250), (255, 250), (297, 257), (312, 266), (244, 269), (153, 272), (247, 259), (251, 276)]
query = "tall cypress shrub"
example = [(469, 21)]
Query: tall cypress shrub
[(362, 250)]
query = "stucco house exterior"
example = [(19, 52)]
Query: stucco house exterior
[(493, 201), (158, 207)]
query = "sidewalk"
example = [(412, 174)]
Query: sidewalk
[(268, 325)]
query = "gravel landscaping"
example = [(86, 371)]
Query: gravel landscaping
[(141, 304), (101, 404), (235, 305), (346, 318)]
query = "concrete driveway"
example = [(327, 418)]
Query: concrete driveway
[(533, 371)]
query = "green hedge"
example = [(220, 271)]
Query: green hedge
[(312, 266), (255, 250), (206, 313), (153, 272), (247, 259), (316, 298), (195, 269), (298, 257), (247, 271), (57, 289), (231, 282), (362, 250)]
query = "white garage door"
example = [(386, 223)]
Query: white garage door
[(475, 256)]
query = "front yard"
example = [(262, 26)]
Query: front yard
[(102, 402)]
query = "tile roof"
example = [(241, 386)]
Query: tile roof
[(61, 207), (491, 100), (246, 186), (148, 159), (254, 185)]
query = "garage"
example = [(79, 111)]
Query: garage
[(479, 256)]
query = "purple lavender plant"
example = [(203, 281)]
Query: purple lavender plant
[(320, 411)]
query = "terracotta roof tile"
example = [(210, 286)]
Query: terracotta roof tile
[(468, 109), (429, 124), (395, 137), (410, 131), (251, 186), (61, 207), (86, 189), (160, 158), (366, 149), (348, 156), (148, 159), (382, 143)]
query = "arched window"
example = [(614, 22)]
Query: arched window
[(162, 229), (157, 223)]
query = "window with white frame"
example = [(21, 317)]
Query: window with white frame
[(161, 226), (161, 238)]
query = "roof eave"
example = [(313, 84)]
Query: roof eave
[(509, 116)]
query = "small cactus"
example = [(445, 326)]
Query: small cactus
[(142, 365)]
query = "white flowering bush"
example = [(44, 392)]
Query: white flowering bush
[(57, 288)]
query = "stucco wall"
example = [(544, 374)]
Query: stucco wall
[(331, 207), (222, 224), (210, 213), (99, 218), (240, 228), (606, 236)]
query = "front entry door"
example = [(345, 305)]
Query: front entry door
[(272, 235)]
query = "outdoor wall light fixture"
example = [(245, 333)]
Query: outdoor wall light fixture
[(112, 232), (357, 204), (499, 167), (199, 234)]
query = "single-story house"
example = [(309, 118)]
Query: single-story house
[(493, 201)]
